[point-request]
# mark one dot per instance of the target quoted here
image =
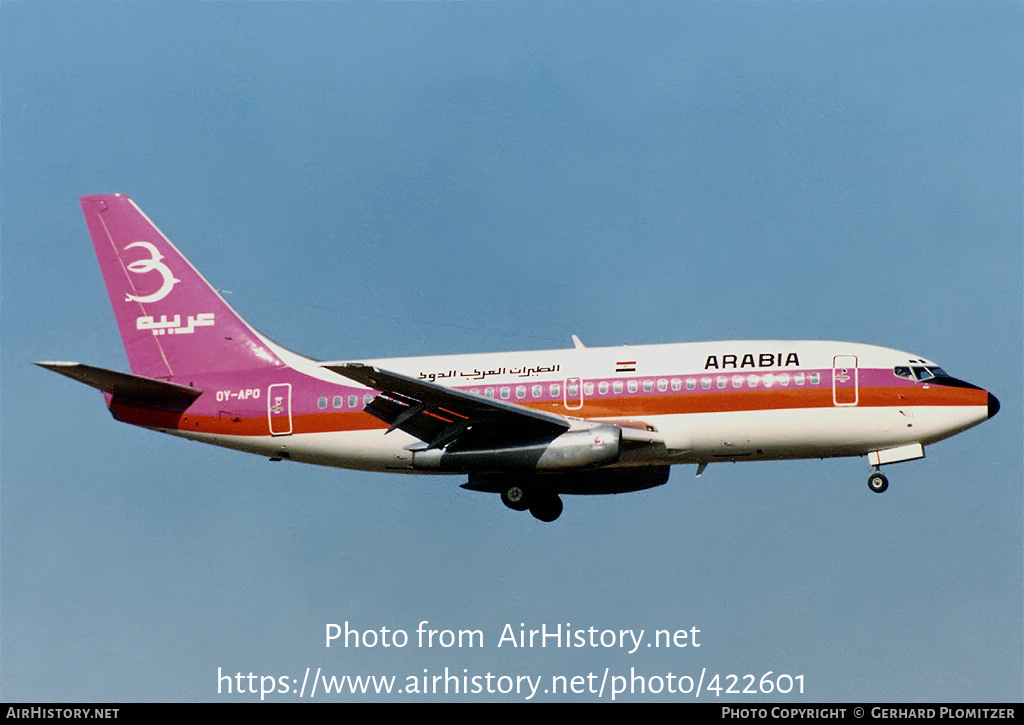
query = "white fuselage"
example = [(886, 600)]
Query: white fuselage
[(733, 400)]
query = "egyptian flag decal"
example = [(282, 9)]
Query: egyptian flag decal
[(628, 366)]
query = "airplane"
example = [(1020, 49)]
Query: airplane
[(528, 426)]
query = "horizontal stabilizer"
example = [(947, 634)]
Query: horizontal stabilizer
[(127, 388)]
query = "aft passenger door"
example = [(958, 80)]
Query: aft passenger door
[(279, 409), (844, 380)]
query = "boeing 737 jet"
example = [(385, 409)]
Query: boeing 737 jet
[(528, 426)]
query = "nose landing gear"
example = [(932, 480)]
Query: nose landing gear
[(877, 481)]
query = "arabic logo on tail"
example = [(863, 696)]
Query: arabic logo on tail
[(153, 264), (172, 326)]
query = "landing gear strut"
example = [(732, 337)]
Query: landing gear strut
[(877, 481)]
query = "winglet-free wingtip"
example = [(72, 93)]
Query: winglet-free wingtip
[(56, 363), (360, 372)]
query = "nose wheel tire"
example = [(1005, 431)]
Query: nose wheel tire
[(877, 482)]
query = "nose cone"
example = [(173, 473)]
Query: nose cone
[(993, 405)]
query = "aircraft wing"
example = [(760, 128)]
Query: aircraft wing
[(438, 415)]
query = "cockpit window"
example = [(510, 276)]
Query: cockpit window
[(919, 372)]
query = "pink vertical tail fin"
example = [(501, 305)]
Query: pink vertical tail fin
[(172, 321)]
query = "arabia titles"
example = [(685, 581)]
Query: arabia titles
[(752, 360)]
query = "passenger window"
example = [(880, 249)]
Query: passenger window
[(677, 384), (783, 379), (691, 384), (555, 390), (617, 386), (489, 392), (602, 388), (815, 378), (737, 381), (505, 393), (632, 386), (721, 383), (705, 383), (662, 386), (537, 391), (337, 401), (520, 392), (769, 380), (353, 401), (588, 388), (753, 380), (367, 398), (648, 386), (799, 379), (321, 403)]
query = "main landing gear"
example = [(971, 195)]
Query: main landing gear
[(877, 481), (543, 504)]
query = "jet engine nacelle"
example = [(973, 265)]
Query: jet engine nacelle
[(573, 450)]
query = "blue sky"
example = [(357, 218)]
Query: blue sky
[(367, 180)]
